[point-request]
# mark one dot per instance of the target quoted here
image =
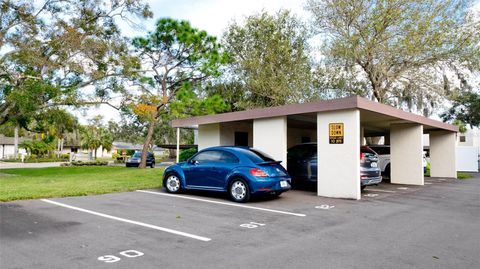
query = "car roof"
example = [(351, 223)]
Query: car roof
[(228, 148)]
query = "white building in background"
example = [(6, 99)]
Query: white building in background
[(468, 150), (7, 147), (471, 138)]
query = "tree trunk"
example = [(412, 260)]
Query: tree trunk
[(374, 83), (15, 143), (58, 148), (146, 144)]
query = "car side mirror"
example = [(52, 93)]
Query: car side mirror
[(194, 162)]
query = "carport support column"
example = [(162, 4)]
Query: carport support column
[(178, 146), (270, 136), (406, 154), (339, 164), (362, 136), (442, 154)]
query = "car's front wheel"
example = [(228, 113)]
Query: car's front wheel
[(239, 191), (152, 165), (172, 183)]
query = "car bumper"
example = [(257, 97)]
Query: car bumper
[(371, 181), (272, 185)]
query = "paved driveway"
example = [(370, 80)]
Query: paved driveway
[(393, 226), (8, 165)]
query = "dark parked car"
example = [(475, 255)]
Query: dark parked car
[(134, 161), (240, 171), (302, 165)]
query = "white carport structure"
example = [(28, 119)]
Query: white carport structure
[(274, 130)]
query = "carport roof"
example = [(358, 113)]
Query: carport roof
[(354, 102)]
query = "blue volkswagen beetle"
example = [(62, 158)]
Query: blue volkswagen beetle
[(240, 171)]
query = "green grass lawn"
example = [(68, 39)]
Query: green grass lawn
[(36, 183), (460, 175)]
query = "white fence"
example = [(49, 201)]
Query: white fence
[(467, 159)]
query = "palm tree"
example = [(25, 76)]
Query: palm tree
[(106, 139), (94, 137)]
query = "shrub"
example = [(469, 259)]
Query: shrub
[(89, 163), (129, 152), (186, 153)]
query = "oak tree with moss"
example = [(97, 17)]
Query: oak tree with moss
[(399, 52), (270, 64)]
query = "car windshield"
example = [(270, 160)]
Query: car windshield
[(137, 155), (257, 156)]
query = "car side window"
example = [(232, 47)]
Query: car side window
[(227, 157), (208, 156)]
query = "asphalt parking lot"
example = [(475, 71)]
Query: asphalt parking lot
[(393, 226)]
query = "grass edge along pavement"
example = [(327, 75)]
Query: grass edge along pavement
[(460, 175), (36, 183)]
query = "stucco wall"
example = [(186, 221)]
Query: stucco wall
[(208, 135), (228, 129), (270, 136), (442, 154), (339, 164), (294, 136), (406, 154)]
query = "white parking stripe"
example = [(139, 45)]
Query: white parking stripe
[(381, 190), (223, 203), (201, 238)]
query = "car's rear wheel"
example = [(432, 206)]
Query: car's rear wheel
[(172, 184), (239, 191), (362, 187), (152, 165)]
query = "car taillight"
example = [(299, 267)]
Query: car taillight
[(258, 172), (361, 156)]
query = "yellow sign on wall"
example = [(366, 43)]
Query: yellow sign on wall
[(335, 133)]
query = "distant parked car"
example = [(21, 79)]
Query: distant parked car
[(302, 165), (239, 171), (134, 161), (383, 152)]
